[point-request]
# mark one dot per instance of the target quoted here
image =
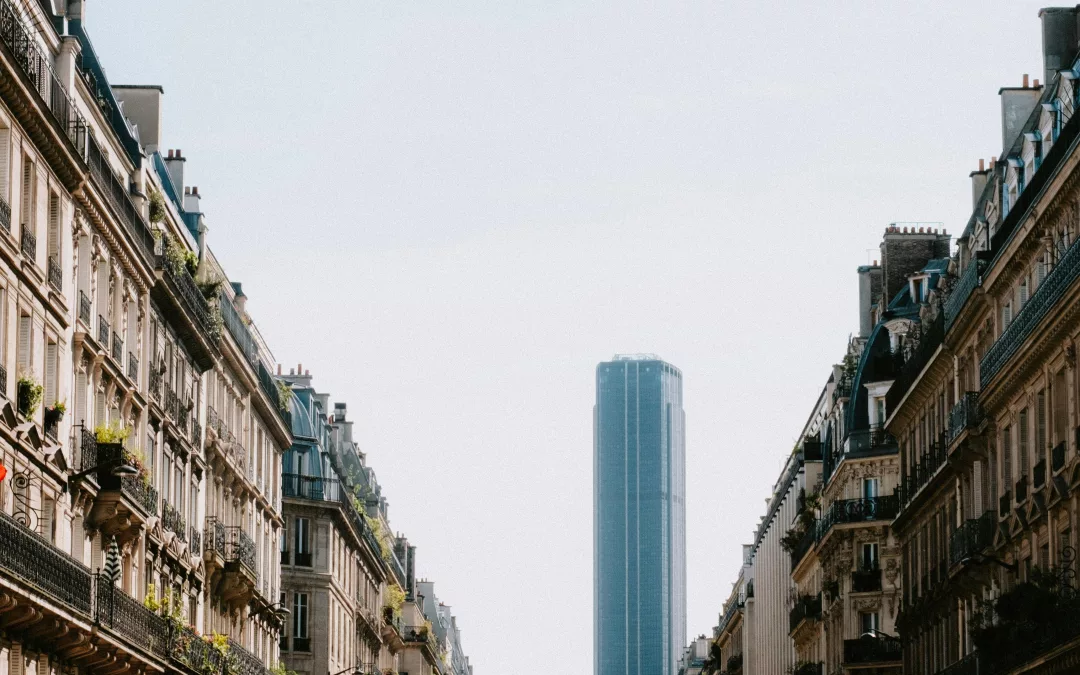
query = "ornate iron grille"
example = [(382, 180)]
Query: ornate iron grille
[(966, 414), (118, 348), (5, 215), (133, 367), (84, 308), (29, 557), (196, 539), (240, 548), (215, 536), (29, 243), (173, 521), (127, 617), (103, 331), (56, 274)]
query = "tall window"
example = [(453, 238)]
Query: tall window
[(1006, 458), (53, 242), (870, 488), (283, 642), (302, 543), (301, 642), (1023, 447), (869, 556), (1040, 423), (26, 207), (284, 545)]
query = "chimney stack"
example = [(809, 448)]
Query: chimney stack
[(978, 183), (174, 162), (1060, 34), (903, 254), (192, 200), (869, 291), (1016, 106)]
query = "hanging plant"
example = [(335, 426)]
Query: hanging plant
[(29, 394), (157, 207), (284, 392), (112, 433)]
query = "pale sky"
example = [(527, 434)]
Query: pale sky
[(451, 211)]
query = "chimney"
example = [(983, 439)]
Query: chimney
[(903, 254), (869, 291), (191, 200), (978, 183), (142, 105), (174, 162), (1059, 39), (1016, 106)]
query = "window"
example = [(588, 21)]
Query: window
[(869, 559), (1022, 455), (870, 488), (25, 357), (868, 623), (283, 641), (1006, 316), (879, 404), (302, 542), (284, 545), (1024, 295), (1006, 458), (301, 642), (26, 206), (52, 242)]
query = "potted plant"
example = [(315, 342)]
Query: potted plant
[(54, 414), (29, 394), (157, 207)]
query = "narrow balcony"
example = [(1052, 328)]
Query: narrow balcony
[(124, 502), (425, 638), (804, 543), (84, 309), (928, 464), (240, 574), (28, 244), (178, 293), (1021, 490), (867, 651), (5, 215), (1027, 320), (1005, 504), (866, 580), (392, 632), (965, 416), (807, 608), (103, 332), (971, 538), (56, 274), (214, 545), (1038, 475), (845, 511), (1057, 457), (969, 281), (118, 349), (172, 521), (133, 368)]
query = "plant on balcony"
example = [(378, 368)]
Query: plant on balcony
[(210, 287), (157, 207), (29, 394), (395, 598), (150, 600), (55, 413), (803, 522), (381, 536), (1036, 613), (284, 394), (280, 669), (112, 433)]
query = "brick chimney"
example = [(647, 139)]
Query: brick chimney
[(903, 253)]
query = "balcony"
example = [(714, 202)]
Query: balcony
[(28, 243), (1027, 320), (214, 544), (807, 608), (133, 368), (1057, 457), (1038, 474), (195, 538), (118, 195), (971, 538), (423, 636), (969, 281), (124, 502), (1022, 490), (872, 650), (868, 509), (84, 309), (1005, 504), (932, 337), (806, 542), (866, 580), (926, 466), (172, 521), (5, 215), (118, 349), (178, 292), (56, 274), (46, 110), (391, 630), (103, 332), (966, 415)]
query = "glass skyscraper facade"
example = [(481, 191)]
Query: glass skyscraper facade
[(639, 519)]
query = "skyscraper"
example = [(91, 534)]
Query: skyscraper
[(639, 519)]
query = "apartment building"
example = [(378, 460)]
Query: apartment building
[(986, 413)]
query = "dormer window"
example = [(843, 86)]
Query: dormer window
[(1035, 138), (1054, 109)]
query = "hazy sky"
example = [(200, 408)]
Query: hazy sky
[(451, 211)]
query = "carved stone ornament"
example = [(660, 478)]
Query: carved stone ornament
[(867, 604)]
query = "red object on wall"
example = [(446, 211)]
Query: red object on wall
[(3, 472)]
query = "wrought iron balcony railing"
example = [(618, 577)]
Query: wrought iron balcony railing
[(172, 521), (807, 607), (1004, 503), (155, 382), (5, 215), (867, 650), (1057, 457), (971, 538), (33, 560), (859, 510), (56, 274), (84, 309), (37, 66), (866, 580), (103, 332), (195, 539), (133, 367), (965, 415), (29, 243), (1038, 307), (127, 616), (118, 348), (191, 298), (118, 194), (922, 471), (3, 381), (239, 331), (241, 549), (1038, 474), (969, 281), (215, 536), (1022, 490), (140, 492)]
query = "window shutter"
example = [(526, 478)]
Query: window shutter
[(54, 226), (99, 407), (1006, 458), (26, 200), (1023, 293), (24, 343), (50, 374), (1006, 316), (1023, 443), (1040, 437), (5, 164), (46, 520), (17, 665), (1040, 271), (80, 397)]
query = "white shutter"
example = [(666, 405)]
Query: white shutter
[(1006, 316), (1024, 294), (95, 552), (46, 520), (24, 343), (50, 374), (54, 226), (1040, 272), (80, 398), (99, 407), (26, 199), (5, 165), (16, 665)]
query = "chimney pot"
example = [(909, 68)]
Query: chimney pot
[(279, 369), (299, 368), (307, 372), (170, 154), (920, 230), (1036, 84), (1025, 80), (179, 153), (982, 166)]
